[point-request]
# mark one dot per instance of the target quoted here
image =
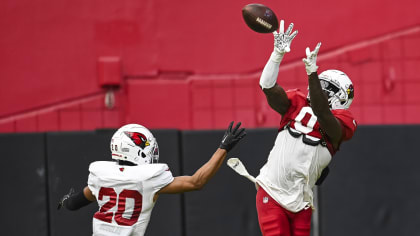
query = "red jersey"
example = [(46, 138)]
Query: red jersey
[(301, 118)]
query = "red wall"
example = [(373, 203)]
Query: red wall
[(193, 64)]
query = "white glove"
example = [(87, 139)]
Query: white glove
[(237, 166), (310, 60), (282, 41)]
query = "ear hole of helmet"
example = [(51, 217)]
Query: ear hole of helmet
[(143, 155)]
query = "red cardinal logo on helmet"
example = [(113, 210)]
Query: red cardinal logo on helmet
[(138, 138), (350, 91)]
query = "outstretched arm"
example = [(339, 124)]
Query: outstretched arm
[(275, 94), (208, 170), (200, 178), (319, 101)]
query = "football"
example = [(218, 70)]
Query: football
[(260, 18)]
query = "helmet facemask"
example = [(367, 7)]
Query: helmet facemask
[(154, 153), (331, 90)]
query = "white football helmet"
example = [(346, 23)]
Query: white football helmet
[(136, 144), (338, 87)]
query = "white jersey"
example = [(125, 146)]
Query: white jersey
[(125, 196), (291, 171)]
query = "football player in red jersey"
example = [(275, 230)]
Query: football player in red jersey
[(136, 175), (312, 128)]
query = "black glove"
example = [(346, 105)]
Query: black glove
[(64, 198), (232, 137)]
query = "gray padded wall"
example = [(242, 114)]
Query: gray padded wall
[(372, 188), (374, 184), (23, 183), (226, 205), (69, 155)]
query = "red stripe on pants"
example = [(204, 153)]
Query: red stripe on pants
[(274, 220)]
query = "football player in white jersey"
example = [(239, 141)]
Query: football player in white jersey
[(126, 189), (312, 128)]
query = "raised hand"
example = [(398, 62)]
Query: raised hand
[(310, 60), (283, 40), (232, 137)]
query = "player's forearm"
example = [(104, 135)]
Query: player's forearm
[(271, 70), (275, 94), (319, 101), (77, 201), (208, 170)]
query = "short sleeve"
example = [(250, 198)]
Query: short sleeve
[(296, 98), (160, 180), (92, 180), (347, 121)]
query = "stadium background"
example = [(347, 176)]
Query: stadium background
[(72, 71)]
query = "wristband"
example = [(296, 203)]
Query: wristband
[(76, 201)]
